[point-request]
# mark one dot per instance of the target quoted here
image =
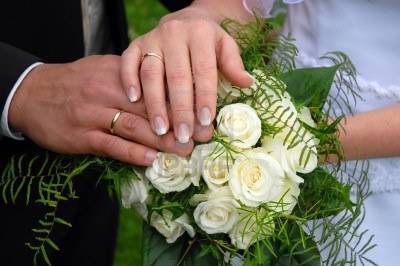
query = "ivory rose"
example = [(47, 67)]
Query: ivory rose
[(212, 162), (240, 124), (135, 193), (251, 228), (288, 198), (256, 178), (227, 92), (171, 229), (170, 173), (217, 211)]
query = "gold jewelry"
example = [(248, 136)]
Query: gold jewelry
[(159, 57), (114, 121)]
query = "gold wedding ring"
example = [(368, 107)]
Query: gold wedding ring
[(159, 57), (114, 121)]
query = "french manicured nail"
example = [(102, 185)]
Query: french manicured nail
[(159, 126), (151, 156), (133, 94), (205, 116), (252, 78), (183, 133)]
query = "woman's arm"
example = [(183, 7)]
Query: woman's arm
[(372, 134)]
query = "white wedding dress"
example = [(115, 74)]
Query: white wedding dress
[(368, 31)]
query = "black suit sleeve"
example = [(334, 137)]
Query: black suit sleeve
[(174, 5), (13, 62)]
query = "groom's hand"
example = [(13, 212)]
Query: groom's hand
[(68, 108), (184, 53)]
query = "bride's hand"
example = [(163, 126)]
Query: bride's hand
[(185, 50)]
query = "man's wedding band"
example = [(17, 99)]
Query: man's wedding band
[(159, 57), (114, 121)]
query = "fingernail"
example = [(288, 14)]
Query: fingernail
[(205, 116), (159, 126), (132, 94), (151, 156), (179, 145), (252, 78), (183, 133)]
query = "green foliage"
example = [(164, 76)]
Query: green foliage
[(47, 181), (323, 195), (310, 86), (156, 252)]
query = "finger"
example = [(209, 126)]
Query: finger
[(152, 77), (180, 89), (122, 150), (202, 133), (130, 63), (230, 62), (137, 129), (204, 66)]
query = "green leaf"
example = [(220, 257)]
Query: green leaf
[(184, 252), (306, 252), (323, 195), (156, 251), (310, 86)]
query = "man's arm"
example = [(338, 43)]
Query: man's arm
[(15, 64)]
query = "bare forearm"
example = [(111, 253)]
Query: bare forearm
[(372, 134)]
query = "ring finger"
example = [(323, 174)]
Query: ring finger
[(152, 78), (133, 127)]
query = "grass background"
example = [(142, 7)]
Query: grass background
[(143, 15)]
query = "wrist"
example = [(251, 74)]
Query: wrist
[(222, 9), (21, 99)]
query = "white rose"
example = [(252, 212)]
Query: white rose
[(240, 124), (212, 162), (135, 194), (227, 92), (301, 145), (305, 116), (218, 214), (247, 231), (170, 173), (171, 229), (134, 190), (289, 160), (256, 178), (273, 103), (288, 199)]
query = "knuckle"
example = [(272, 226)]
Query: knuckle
[(172, 26), (133, 155), (207, 91), (154, 105), (202, 25), (91, 87), (180, 109), (178, 75), (148, 72), (105, 146), (205, 68), (131, 123)]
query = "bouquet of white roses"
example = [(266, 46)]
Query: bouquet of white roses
[(243, 178), (259, 193)]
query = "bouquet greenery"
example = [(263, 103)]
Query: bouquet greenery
[(259, 193)]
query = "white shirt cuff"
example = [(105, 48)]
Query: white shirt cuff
[(5, 128)]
